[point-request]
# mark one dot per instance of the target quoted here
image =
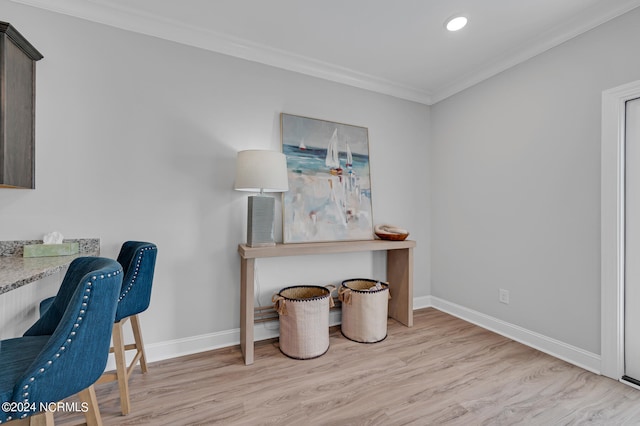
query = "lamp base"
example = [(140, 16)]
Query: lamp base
[(260, 217)]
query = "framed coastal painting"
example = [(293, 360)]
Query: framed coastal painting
[(329, 197)]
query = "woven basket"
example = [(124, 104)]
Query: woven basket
[(364, 311), (304, 320)]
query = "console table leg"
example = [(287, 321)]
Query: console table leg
[(400, 277), (246, 309)]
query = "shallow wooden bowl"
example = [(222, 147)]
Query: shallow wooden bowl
[(392, 237)]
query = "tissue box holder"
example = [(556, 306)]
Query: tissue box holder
[(46, 250)]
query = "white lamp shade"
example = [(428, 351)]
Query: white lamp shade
[(261, 171)]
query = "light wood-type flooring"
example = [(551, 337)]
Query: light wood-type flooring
[(442, 371)]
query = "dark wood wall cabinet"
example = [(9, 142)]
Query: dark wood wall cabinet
[(17, 109)]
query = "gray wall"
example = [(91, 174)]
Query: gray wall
[(137, 139), (515, 172)]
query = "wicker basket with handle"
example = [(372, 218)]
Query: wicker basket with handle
[(304, 320), (364, 310)]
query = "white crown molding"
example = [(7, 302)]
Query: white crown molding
[(153, 25), (176, 31), (545, 41)]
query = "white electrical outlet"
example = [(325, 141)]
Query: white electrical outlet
[(504, 296)]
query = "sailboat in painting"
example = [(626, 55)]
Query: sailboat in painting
[(302, 146), (332, 161), (351, 182)]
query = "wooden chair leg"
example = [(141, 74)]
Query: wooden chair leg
[(44, 418), (92, 415), (121, 367), (123, 371), (137, 335)]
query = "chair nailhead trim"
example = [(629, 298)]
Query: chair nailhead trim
[(135, 272), (68, 340)]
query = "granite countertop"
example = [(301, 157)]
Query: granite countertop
[(16, 271)]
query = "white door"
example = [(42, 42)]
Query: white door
[(632, 243)]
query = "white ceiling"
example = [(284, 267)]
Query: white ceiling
[(396, 47)]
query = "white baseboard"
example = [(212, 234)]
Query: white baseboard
[(422, 302), (573, 355), (207, 342), (191, 345)]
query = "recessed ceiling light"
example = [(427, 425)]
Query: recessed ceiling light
[(456, 23)]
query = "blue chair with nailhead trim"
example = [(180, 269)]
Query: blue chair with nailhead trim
[(65, 352), (138, 260)]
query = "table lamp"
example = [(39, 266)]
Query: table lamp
[(261, 171)]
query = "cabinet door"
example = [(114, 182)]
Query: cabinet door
[(17, 131), (17, 109)]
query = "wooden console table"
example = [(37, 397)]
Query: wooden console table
[(399, 276)]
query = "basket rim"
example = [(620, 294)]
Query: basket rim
[(385, 286), (306, 298)]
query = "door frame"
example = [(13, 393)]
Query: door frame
[(612, 227)]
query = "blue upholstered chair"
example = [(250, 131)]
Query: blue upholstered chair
[(65, 352), (138, 260)]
